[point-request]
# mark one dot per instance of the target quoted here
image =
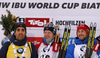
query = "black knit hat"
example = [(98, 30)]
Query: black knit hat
[(20, 24), (50, 27)]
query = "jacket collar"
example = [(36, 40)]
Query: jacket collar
[(17, 42), (44, 41), (79, 41)]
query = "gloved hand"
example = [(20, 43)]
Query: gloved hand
[(6, 32), (98, 38)]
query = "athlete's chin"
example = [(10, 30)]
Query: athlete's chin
[(81, 38), (47, 37), (20, 39)]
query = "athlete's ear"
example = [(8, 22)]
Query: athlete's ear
[(14, 33)]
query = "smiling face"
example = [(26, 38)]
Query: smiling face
[(48, 34), (20, 33), (81, 34)]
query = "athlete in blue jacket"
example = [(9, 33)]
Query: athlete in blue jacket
[(78, 49), (18, 47)]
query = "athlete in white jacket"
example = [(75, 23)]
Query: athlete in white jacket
[(45, 48)]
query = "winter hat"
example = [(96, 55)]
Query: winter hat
[(84, 27), (50, 26), (20, 24)]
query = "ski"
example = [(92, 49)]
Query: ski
[(89, 39), (55, 45), (66, 43), (62, 44), (93, 37), (90, 43)]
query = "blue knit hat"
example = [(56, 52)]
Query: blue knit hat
[(20, 24), (50, 27)]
